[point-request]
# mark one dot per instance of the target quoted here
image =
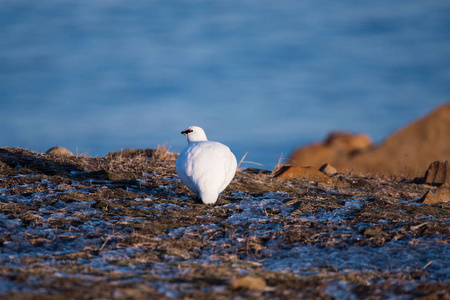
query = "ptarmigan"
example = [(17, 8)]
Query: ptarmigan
[(205, 167)]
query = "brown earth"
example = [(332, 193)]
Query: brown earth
[(156, 154), (123, 227), (306, 173), (407, 152)]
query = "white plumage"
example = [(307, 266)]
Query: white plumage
[(205, 167)]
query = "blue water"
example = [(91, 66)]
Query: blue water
[(260, 76)]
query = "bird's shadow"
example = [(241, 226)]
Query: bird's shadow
[(220, 201)]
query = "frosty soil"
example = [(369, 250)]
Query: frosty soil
[(129, 228)]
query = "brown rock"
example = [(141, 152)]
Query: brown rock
[(249, 283), (337, 146), (438, 172), (328, 169), (356, 173), (60, 151), (442, 194), (373, 231), (313, 155), (307, 173), (348, 142)]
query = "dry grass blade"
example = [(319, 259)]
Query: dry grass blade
[(242, 160), (247, 162)]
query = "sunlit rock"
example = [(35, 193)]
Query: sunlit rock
[(59, 151), (337, 147), (438, 173), (328, 169), (442, 194), (249, 283), (348, 142)]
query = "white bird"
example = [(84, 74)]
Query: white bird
[(205, 167)]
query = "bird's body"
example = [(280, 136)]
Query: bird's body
[(205, 167)]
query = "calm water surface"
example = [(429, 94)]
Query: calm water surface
[(260, 76)]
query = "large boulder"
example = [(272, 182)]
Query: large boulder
[(314, 155), (348, 143), (338, 146), (407, 152), (410, 150)]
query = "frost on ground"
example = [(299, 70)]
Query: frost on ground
[(92, 228)]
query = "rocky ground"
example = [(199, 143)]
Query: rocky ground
[(125, 227)]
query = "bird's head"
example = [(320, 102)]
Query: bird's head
[(194, 134)]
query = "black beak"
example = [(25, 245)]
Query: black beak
[(186, 131)]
